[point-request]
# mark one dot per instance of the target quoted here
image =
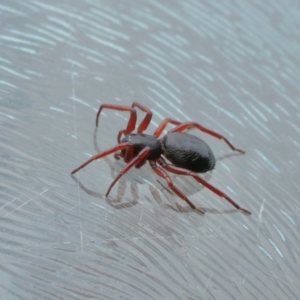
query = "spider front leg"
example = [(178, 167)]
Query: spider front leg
[(131, 122), (189, 125), (105, 153), (180, 171)]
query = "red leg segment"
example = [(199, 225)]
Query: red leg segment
[(146, 121), (104, 153), (127, 155), (181, 171), (139, 159), (163, 125), (160, 172), (189, 125), (118, 155), (131, 122), (140, 164)]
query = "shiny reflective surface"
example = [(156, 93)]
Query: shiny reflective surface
[(232, 67)]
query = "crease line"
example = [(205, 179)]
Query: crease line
[(32, 198), (75, 131)]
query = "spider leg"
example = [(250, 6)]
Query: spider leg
[(131, 122), (118, 155), (180, 171), (163, 125), (127, 155), (139, 159), (189, 125), (146, 121), (140, 164), (162, 173), (104, 153)]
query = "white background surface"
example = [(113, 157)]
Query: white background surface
[(233, 67)]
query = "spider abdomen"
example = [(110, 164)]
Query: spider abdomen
[(188, 151)]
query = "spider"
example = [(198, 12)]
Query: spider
[(188, 154)]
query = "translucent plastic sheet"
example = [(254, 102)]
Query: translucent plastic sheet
[(232, 66)]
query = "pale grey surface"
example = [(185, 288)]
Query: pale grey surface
[(233, 67)]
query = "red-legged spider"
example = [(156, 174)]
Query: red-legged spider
[(187, 153)]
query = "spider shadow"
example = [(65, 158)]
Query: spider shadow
[(187, 184), (226, 156), (179, 208), (113, 202)]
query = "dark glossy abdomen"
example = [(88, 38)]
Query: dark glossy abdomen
[(188, 151)]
